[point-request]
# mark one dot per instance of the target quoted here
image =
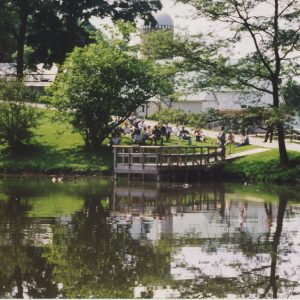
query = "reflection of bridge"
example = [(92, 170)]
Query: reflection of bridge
[(150, 201), (159, 160)]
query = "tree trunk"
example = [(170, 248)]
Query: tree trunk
[(21, 42), (281, 135)]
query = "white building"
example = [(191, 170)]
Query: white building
[(39, 78)]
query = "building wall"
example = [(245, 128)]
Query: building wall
[(187, 106)]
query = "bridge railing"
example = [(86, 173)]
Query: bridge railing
[(163, 156)]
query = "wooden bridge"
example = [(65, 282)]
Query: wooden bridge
[(158, 160)]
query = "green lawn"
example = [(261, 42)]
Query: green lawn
[(57, 149), (265, 167)]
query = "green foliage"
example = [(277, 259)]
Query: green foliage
[(102, 80), (158, 44), (53, 28), (180, 117), (7, 38), (169, 115), (16, 118), (291, 94), (273, 37)]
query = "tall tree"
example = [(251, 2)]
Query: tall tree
[(271, 28), (102, 80), (54, 28)]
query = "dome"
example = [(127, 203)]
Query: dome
[(163, 20)]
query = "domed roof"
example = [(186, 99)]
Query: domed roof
[(163, 19)]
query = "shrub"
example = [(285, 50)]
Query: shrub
[(16, 117)]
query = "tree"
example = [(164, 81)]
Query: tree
[(291, 93), (16, 118), (273, 28), (102, 80), (53, 28), (7, 38)]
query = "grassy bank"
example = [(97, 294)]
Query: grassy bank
[(57, 149), (264, 167)]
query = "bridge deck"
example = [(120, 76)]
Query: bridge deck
[(158, 159)]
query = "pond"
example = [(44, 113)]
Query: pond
[(88, 237)]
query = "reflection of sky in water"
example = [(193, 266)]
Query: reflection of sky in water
[(217, 253)]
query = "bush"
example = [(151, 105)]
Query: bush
[(16, 118), (169, 115)]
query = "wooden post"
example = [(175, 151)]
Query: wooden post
[(115, 158), (193, 156), (201, 155), (216, 154), (143, 157), (208, 154)]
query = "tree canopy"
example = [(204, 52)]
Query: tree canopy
[(53, 28), (102, 80), (271, 29)]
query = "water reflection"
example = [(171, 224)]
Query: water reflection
[(89, 238)]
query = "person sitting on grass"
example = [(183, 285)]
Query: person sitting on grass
[(156, 136), (126, 129), (185, 135), (132, 118), (147, 135), (137, 137), (243, 140), (176, 132), (115, 139), (199, 136)]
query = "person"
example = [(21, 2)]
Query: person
[(222, 137), (146, 133), (141, 125), (168, 132), (230, 140), (185, 135), (126, 129), (156, 135), (244, 140), (222, 140), (132, 118), (176, 132), (269, 133), (199, 137), (115, 139), (137, 137)]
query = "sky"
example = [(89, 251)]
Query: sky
[(186, 21)]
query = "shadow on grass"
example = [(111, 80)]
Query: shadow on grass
[(47, 159)]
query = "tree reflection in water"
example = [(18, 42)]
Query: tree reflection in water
[(23, 270), (143, 241)]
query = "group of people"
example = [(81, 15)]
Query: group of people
[(230, 140), (141, 133)]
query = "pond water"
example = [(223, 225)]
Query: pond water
[(91, 238)]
